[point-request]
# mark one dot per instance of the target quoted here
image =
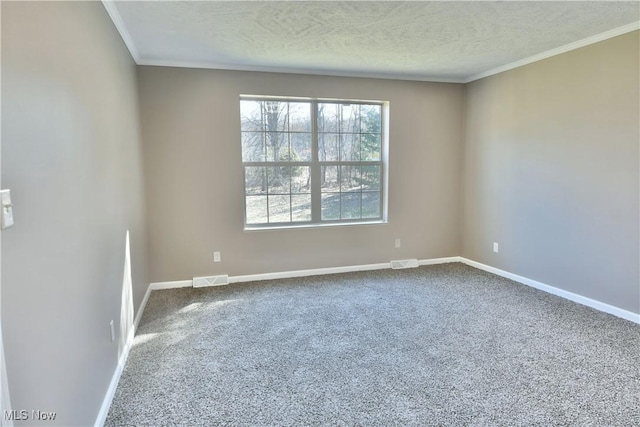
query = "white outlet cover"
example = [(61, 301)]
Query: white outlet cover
[(495, 247)]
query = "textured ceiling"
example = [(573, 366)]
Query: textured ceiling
[(451, 41)]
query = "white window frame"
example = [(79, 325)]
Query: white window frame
[(315, 165)]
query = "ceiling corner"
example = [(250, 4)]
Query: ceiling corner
[(634, 26), (113, 13)]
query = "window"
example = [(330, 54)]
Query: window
[(312, 161)]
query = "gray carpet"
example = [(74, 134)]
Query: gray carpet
[(436, 345)]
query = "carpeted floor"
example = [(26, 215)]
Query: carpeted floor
[(437, 345)]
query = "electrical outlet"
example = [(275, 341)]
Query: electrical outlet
[(113, 332), (495, 247), (398, 243), (216, 256)]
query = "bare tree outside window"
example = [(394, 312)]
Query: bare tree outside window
[(295, 149)]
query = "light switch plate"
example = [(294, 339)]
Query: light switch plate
[(7, 209)]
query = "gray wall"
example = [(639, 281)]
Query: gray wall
[(191, 134), (71, 156), (543, 160), (551, 171)]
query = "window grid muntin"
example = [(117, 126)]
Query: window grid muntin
[(360, 192), (315, 164), (268, 192)]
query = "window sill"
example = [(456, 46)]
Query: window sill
[(311, 226)]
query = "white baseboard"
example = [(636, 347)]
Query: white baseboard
[(616, 311), (301, 273), (434, 261), (171, 285), (122, 360), (143, 304), (113, 385), (104, 410), (598, 305), (306, 273), (331, 270)]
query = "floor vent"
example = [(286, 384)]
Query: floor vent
[(404, 263), (201, 282)]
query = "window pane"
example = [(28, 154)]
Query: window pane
[(349, 118), (277, 146), (348, 158), (251, 116), (350, 205), (350, 179), (370, 118), (300, 179), (349, 147), (301, 207), (256, 209), (328, 117), (328, 147), (329, 179), (278, 180), (330, 206), (279, 208), (300, 117), (253, 147), (300, 147), (275, 116), (371, 205), (371, 177), (370, 144), (255, 180)]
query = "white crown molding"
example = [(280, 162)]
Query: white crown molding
[(557, 51), (117, 20), (126, 37), (285, 70)]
